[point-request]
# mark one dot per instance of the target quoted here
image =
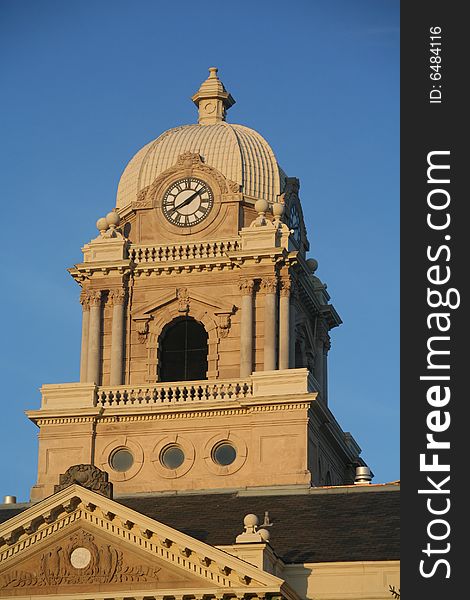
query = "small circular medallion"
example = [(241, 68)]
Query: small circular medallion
[(209, 107), (80, 558)]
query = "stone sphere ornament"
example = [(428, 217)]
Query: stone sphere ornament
[(113, 219), (265, 535), (312, 264), (261, 206), (250, 520), (102, 224), (278, 209)]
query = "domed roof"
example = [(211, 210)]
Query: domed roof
[(238, 152)]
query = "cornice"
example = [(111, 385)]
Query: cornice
[(206, 410)]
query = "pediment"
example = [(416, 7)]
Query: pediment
[(182, 296), (79, 555), (77, 540)]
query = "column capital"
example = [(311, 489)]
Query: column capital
[(85, 299), (327, 343), (285, 287), (322, 330), (269, 285), (94, 297), (246, 286), (117, 297)]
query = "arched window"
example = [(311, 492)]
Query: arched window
[(183, 351)]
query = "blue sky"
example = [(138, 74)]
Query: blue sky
[(86, 84)]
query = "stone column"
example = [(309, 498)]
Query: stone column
[(94, 338), (294, 294), (117, 298), (284, 324), (246, 328), (326, 349), (270, 323), (319, 367), (85, 302)]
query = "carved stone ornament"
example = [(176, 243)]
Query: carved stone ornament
[(285, 287), (94, 297), (89, 477), (189, 162), (246, 286), (327, 343), (117, 297), (269, 285), (80, 560), (183, 300), (224, 325), (142, 330), (85, 300), (291, 189)]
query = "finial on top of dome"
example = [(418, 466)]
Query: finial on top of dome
[(212, 99)]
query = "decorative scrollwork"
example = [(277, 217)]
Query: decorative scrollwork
[(88, 476)]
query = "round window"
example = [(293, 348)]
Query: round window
[(224, 454), (172, 457), (121, 459)]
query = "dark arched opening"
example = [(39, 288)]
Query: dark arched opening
[(183, 351)]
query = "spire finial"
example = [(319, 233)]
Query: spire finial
[(212, 99)]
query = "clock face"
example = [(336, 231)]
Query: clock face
[(187, 202), (294, 223)]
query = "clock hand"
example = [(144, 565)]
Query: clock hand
[(188, 200)]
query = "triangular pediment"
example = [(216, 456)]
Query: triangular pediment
[(77, 540), (181, 295)]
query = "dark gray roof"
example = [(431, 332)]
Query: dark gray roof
[(315, 527), (307, 528)]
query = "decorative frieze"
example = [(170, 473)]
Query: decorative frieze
[(79, 560)]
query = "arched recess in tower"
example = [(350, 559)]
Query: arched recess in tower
[(183, 351)]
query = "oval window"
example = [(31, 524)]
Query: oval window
[(121, 460), (224, 454), (172, 457)]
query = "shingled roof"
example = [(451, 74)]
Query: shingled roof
[(349, 524)]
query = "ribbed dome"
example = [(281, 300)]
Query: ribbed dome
[(238, 152)]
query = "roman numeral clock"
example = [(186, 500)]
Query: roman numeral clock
[(187, 202)]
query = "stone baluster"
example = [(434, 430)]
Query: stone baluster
[(117, 299), (94, 338), (269, 286), (85, 302), (246, 328), (284, 324)]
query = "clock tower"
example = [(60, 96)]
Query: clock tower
[(205, 332)]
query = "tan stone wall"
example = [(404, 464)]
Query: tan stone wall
[(344, 580), (271, 450)]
